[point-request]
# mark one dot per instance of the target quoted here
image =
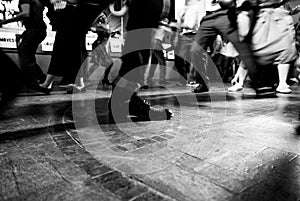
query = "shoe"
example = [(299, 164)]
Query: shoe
[(141, 109), (200, 89), (67, 86), (76, 90), (264, 91), (41, 89), (284, 89), (235, 88), (192, 84), (145, 87)]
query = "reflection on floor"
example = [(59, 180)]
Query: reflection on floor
[(218, 146)]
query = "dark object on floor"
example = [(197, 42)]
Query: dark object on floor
[(11, 78), (142, 109), (200, 89)]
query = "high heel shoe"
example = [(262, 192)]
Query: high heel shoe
[(76, 90)]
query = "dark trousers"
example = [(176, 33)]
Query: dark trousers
[(212, 25), (136, 55), (10, 76), (30, 40), (69, 49)]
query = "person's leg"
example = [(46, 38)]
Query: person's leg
[(246, 55), (161, 63), (64, 56), (137, 42), (79, 21), (27, 49), (239, 78), (283, 70), (152, 67), (162, 67), (199, 57)]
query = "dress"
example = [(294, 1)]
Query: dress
[(68, 50), (273, 38)]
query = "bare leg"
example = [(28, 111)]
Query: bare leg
[(283, 70)]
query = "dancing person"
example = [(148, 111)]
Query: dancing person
[(271, 18), (69, 46), (221, 19), (157, 57), (144, 17), (31, 14), (189, 17)]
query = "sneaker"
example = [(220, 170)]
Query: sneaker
[(235, 88), (143, 110), (284, 89), (192, 84), (200, 89)]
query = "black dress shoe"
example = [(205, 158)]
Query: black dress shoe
[(200, 89), (141, 109), (265, 92)]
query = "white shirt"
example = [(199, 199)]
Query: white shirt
[(190, 16)]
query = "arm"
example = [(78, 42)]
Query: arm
[(25, 12)]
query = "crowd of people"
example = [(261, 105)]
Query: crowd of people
[(197, 35)]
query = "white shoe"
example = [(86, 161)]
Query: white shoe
[(192, 84), (284, 89), (235, 88)]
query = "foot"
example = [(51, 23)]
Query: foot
[(283, 89), (75, 90), (235, 88), (264, 91), (192, 84), (200, 89), (143, 110), (39, 88), (66, 86)]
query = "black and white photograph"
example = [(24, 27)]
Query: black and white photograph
[(149, 100)]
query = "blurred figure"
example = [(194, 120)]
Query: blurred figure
[(31, 14), (189, 17), (69, 46), (144, 17), (271, 18), (221, 19), (100, 56), (157, 57), (11, 79)]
